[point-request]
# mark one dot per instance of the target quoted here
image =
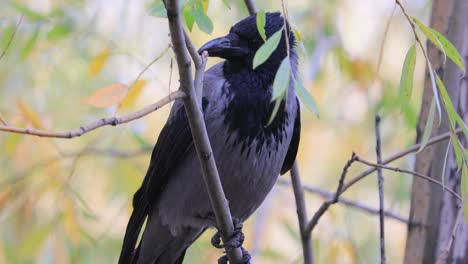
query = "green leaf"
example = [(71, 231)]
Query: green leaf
[(442, 43), (158, 9), (282, 77), (464, 190), (462, 124), (275, 110), (59, 31), (261, 19), (27, 12), (280, 86), (265, 51), (429, 126), (306, 97), (447, 101), (189, 16), (407, 73), (203, 21), (434, 89), (457, 149), (30, 43)]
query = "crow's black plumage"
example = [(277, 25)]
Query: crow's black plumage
[(249, 155)]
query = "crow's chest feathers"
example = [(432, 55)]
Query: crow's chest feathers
[(247, 115)]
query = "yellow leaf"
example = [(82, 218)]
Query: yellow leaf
[(107, 96), (70, 222), (133, 94), (98, 62), (29, 114), (205, 3)]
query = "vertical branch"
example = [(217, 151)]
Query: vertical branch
[(302, 215), (198, 129), (378, 150), (251, 6)]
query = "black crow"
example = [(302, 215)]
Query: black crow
[(237, 104)]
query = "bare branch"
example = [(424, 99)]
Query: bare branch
[(200, 63), (382, 45), (2, 120), (198, 128), (251, 6), (398, 155), (324, 207), (108, 121), (417, 174), (347, 202), (378, 150), (302, 214), (10, 40)]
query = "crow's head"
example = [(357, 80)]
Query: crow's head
[(244, 40)]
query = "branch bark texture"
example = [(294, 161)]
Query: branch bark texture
[(198, 128)]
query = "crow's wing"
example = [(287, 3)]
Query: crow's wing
[(174, 142), (294, 145)]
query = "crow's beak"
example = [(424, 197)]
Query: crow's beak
[(226, 47)]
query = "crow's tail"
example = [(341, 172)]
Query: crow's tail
[(140, 211), (160, 246)]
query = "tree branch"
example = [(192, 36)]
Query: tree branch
[(340, 190), (200, 63), (198, 128), (108, 121), (10, 40), (417, 174), (399, 155), (378, 150), (302, 214), (347, 202), (251, 6), (324, 207)]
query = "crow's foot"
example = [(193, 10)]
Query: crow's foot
[(236, 239), (245, 258)]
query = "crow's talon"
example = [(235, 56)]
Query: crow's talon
[(216, 240), (235, 241), (223, 260), (245, 258)]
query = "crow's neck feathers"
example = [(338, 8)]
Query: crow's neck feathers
[(250, 107)]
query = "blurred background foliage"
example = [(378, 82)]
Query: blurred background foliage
[(68, 201)]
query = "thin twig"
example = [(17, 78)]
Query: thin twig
[(302, 214), (347, 202), (398, 155), (382, 45), (417, 174), (108, 121), (197, 126), (324, 207), (378, 151), (10, 40), (446, 250), (200, 63), (2, 120)]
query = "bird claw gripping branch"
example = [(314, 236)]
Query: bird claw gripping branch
[(235, 241)]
